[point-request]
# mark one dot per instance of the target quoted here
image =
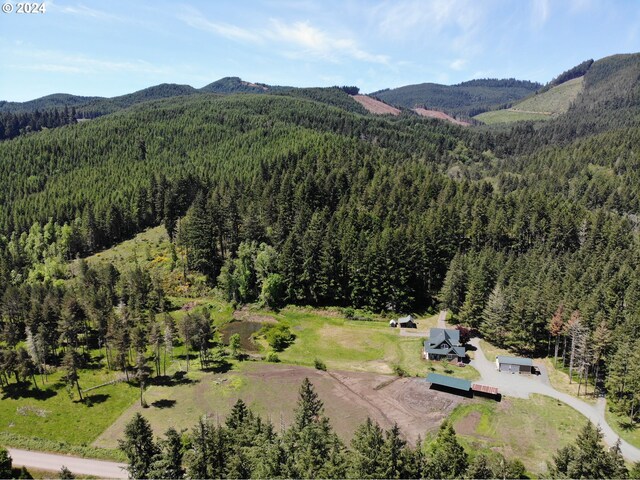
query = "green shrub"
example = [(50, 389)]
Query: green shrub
[(278, 336), (399, 371), (272, 357), (320, 365)]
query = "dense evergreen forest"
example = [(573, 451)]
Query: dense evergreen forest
[(528, 236), (466, 99)]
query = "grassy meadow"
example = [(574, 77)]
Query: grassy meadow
[(530, 429), (31, 418), (540, 106), (508, 115)]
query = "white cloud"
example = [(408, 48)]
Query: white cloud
[(195, 19), (311, 41), (53, 61), (539, 13), (298, 39), (458, 64), (84, 11), (406, 18), (578, 6)]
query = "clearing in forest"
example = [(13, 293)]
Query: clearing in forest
[(376, 106), (271, 390)]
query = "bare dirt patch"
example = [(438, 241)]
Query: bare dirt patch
[(246, 315), (439, 115), (272, 391), (468, 424), (187, 307), (376, 106)]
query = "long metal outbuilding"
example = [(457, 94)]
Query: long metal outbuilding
[(465, 387), (449, 382), (514, 365)]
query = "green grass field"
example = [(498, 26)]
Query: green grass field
[(508, 116), (537, 107), (555, 100), (531, 429), (51, 415), (368, 346), (624, 427)]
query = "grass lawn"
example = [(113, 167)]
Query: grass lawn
[(624, 427), (531, 430), (506, 116), (370, 346), (50, 415), (559, 378), (491, 351)]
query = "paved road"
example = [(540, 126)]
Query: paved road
[(81, 466), (515, 385)]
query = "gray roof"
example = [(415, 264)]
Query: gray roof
[(451, 382), (525, 362), (439, 335), (459, 351), (406, 319)]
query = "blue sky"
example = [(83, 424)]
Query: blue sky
[(114, 47)]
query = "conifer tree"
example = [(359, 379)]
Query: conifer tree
[(5, 463), (367, 446), (455, 284), (495, 316), (70, 365), (139, 447), (167, 464), (479, 468), (446, 458)]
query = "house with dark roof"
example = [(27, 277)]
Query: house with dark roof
[(523, 366), (443, 343)]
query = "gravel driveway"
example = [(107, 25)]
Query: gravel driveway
[(521, 386)]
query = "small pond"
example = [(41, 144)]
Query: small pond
[(245, 329)]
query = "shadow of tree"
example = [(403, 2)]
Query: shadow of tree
[(96, 398), (178, 378), (164, 403), (218, 367), (25, 390), (627, 425)]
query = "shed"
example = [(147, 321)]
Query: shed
[(450, 384), (514, 365), (407, 322), (487, 389)]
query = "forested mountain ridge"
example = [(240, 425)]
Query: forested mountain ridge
[(467, 98), (609, 100), (528, 236)]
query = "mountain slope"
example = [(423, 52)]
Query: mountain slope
[(235, 85), (468, 98), (540, 106), (56, 100)]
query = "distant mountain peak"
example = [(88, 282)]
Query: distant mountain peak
[(235, 85)]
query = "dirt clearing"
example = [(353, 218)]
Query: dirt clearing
[(246, 315), (272, 391), (376, 106), (423, 112)]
